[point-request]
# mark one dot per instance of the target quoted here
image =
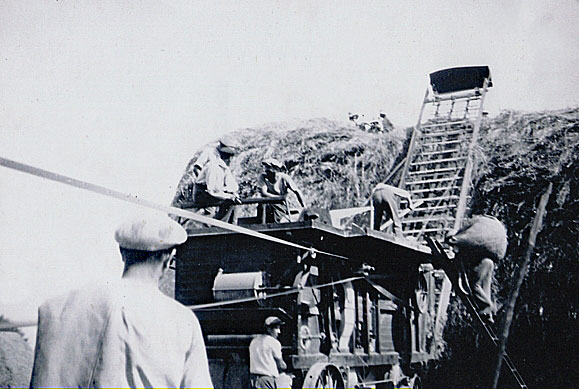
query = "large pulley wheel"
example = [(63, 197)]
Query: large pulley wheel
[(324, 375), (416, 382), (421, 295)]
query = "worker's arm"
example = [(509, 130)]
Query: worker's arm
[(202, 160), (278, 357), (263, 187), (280, 364), (294, 188), (401, 193)]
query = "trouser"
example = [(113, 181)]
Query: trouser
[(482, 273), (276, 213), (385, 205), (226, 210), (259, 381)]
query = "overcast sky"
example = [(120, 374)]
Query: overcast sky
[(121, 94)]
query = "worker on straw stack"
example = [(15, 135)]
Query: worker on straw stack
[(215, 189), (385, 204), (481, 241), (209, 185), (210, 154), (125, 333), (274, 183)]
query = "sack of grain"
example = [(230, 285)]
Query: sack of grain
[(482, 233)]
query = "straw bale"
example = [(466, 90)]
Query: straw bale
[(483, 233)]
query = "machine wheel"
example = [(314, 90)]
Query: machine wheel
[(421, 295), (324, 375), (417, 382)]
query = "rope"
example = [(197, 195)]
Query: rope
[(284, 293), (149, 204)]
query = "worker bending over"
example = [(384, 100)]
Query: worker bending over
[(385, 204), (481, 241)]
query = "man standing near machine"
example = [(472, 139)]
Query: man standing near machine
[(126, 333), (265, 358)]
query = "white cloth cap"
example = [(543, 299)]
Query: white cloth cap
[(273, 321), (148, 233)]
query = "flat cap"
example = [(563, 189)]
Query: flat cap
[(273, 321), (150, 233), (227, 145), (272, 162)]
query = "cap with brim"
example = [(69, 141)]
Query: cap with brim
[(226, 149), (227, 145), (273, 321), (272, 162), (150, 233)]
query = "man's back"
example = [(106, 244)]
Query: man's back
[(263, 350), (122, 335)]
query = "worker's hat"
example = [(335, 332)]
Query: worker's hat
[(150, 233), (272, 162), (227, 145), (272, 321)]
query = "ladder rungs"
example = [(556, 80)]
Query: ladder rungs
[(440, 152), (426, 219), (442, 124), (442, 143), (449, 127), (443, 133), (444, 160), (426, 230), (452, 197), (439, 189), (435, 208), (432, 180), (435, 171)]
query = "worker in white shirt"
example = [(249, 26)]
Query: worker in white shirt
[(215, 186), (125, 334), (211, 154), (265, 358), (192, 185)]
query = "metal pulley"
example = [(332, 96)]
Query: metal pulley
[(234, 286)]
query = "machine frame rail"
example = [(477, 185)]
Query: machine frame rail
[(450, 270)]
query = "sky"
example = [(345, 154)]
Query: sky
[(122, 93)]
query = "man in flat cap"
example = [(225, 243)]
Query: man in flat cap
[(209, 185), (265, 358), (126, 334), (273, 183), (210, 154), (215, 186)]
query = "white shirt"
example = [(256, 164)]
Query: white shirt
[(218, 177), (207, 155), (124, 335), (263, 351)]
